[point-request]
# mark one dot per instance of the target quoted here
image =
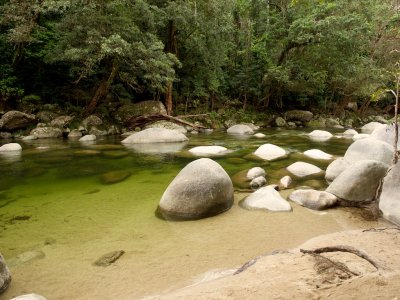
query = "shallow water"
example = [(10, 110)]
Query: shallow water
[(53, 204)]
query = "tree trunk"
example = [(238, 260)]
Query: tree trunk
[(102, 90), (396, 124), (171, 47)]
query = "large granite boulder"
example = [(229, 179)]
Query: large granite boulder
[(167, 125), (92, 120), (317, 200), (255, 172), (5, 276), (358, 183), (46, 132), (201, 189), (389, 202), (360, 136), (299, 115), (11, 147), (62, 121), (155, 135), (386, 134), (270, 152), (371, 126), (266, 198), (369, 149), (144, 108), (303, 169), (14, 120), (335, 168), (240, 129)]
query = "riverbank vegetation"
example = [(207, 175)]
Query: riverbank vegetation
[(197, 56)]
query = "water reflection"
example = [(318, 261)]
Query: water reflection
[(155, 148)]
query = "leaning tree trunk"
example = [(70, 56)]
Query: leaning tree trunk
[(396, 124), (102, 90)]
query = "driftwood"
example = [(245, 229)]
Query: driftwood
[(141, 121), (348, 249)]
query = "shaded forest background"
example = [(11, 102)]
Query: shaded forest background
[(198, 55)]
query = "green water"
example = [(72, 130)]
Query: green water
[(52, 201)]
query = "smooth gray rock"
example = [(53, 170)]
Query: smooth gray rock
[(270, 152), (13, 120), (370, 127), (88, 138), (359, 182), (317, 200), (285, 182), (386, 134), (240, 129), (209, 150), (335, 168), (302, 169), (155, 135), (320, 135), (29, 138), (318, 154), (266, 198), (46, 132), (255, 172), (369, 149), (360, 136), (389, 202), (259, 135), (5, 276), (350, 132), (11, 147), (258, 182), (201, 189), (29, 297)]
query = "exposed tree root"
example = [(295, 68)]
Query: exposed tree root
[(141, 121), (341, 248)]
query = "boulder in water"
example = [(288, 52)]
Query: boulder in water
[(209, 150), (318, 154), (155, 135), (302, 169), (266, 198), (255, 172), (201, 189), (335, 168), (167, 125), (371, 126), (317, 200), (360, 136), (240, 129), (320, 135), (13, 120), (114, 177), (389, 202), (46, 132), (270, 152), (369, 149), (285, 182), (258, 182), (11, 147), (88, 138)]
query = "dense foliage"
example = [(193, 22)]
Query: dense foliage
[(209, 54)]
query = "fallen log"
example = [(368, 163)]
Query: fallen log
[(142, 121)]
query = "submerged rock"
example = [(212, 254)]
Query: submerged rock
[(240, 129), (317, 200), (201, 189), (302, 169), (155, 135), (389, 202), (266, 198), (26, 257), (270, 152), (5, 276), (109, 258), (358, 183), (114, 177)]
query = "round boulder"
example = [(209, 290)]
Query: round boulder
[(299, 115), (258, 182), (303, 169), (240, 129), (201, 189), (266, 198), (350, 133), (270, 152), (46, 132), (167, 125), (13, 120), (369, 149), (320, 135), (318, 154), (88, 138), (10, 147), (285, 182), (386, 134), (5, 276), (155, 135), (209, 150), (371, 126), (389, 202), (75, 133), (358, 183), (335, 168), (255, 172), (317, 200), (280, 122)]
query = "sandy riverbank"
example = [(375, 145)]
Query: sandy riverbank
[(294, 275)]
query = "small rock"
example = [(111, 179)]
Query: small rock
[(75, 133), (302, 169), (258, 182), (109, 258), (88, 138), (26, 257), (98, 132), (114, 177), (240, 129), (280, 122), (285, 182), (270, 152), (370, 127), (10, 147), (320, 135), (318, 154), (255, 172), (317, 200), (209, 150), (259, 135), (266, 198), (350, 132)]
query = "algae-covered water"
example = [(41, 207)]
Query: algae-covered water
[(59, 214)]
